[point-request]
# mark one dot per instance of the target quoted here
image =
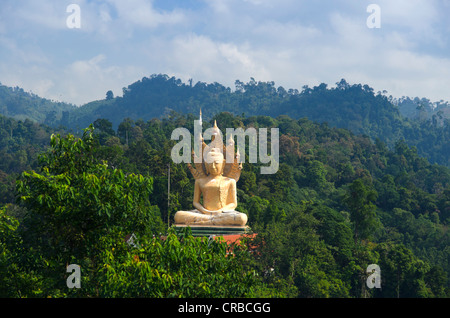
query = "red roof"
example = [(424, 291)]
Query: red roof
[(234, 238)]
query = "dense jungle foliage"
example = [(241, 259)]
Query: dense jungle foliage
[(338, 203), (356, 107)]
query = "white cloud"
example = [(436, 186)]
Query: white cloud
[(44, 14), (87, 80), (142, 13), (290, 42), (417, 15), (201, 58), (36, 79)]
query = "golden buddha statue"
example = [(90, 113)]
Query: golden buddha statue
[(215, 183)]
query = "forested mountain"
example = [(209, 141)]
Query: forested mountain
[(18, 104), (358, 184), (420, 122), (338, 203), (355, 107), (422, 109)]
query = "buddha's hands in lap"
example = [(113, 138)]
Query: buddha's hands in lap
[(202, 209)]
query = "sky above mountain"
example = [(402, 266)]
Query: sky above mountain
[(77, 53)]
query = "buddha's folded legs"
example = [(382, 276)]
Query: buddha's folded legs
[(224, 218)]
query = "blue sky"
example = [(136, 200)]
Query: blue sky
[(292, 43)]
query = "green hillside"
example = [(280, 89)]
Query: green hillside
[(355, 107), (18, 104), (338, 203)]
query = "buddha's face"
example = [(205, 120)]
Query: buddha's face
[(214, 163)]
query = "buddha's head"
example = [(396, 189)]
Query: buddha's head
[(214, 162)]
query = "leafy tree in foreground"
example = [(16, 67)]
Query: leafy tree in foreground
[(14, 281), (74, 203), (176, 266)]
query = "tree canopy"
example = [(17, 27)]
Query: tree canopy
[(338, 203)]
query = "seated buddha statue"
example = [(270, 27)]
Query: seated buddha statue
[(217, 190)]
